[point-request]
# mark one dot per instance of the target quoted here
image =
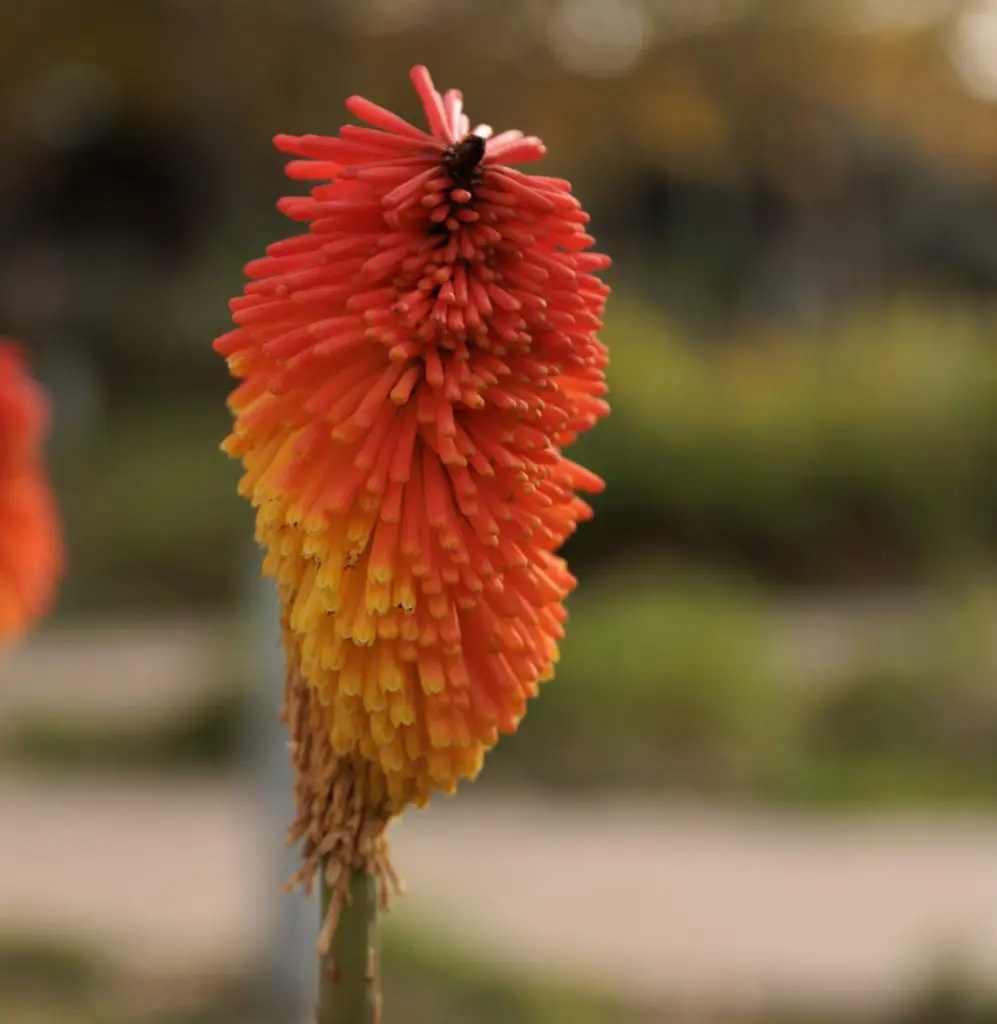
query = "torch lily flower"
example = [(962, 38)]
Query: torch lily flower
[(30, 541), (411, 370)]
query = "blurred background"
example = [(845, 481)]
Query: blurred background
[(761, 788)]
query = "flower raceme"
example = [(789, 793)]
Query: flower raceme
[(411, 369), (30, 541)]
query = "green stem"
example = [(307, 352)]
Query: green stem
[(349, 988)]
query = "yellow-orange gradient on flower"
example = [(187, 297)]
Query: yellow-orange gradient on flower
[(30, 539), (411, 369)]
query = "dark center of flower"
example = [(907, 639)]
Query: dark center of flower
[(462, 158)]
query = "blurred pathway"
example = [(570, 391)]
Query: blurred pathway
[(115, 673), (168, 876)]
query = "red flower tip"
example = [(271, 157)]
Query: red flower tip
[(30, 543)]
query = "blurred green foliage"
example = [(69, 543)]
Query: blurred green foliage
[(869, 455), (678, 688), (49, 982), (209, 736), (865, 453), (151, 515), (426, 979), (660, 684), (60, 968), (914, 721)]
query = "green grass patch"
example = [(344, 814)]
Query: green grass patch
[(667, 686), (209, 737), (60, 967), (424, 979), (428, 980), (151, 515)]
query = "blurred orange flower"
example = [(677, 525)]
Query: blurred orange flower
[(30, 540), (412, 368)]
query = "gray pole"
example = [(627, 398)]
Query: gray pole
[(288, 971)]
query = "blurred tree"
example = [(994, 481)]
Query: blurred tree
[(752, 158)]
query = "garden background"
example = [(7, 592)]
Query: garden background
[(761, 788)]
